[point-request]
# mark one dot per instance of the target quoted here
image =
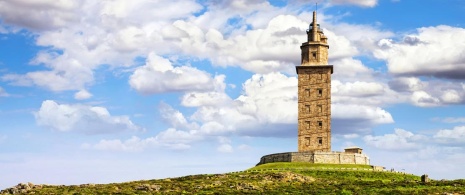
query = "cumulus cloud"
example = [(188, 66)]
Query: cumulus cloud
[(42, 14), (400, 140), (108, 34), (82, 95), (358, 88), (266, 109), (432, 51), (65, 74), (350, 119), (225, 145), (274, 48), (361, 3), (81, 118), (170, 138), (134, 144), (175, 118), (453, 136), (97, 33), (407, 84), (424, 99), (159, 76), (428, 92)]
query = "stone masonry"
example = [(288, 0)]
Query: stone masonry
[(317, 157), (314, 93)]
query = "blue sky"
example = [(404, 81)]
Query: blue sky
[(112, 91)]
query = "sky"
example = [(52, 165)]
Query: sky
[(114, 90)]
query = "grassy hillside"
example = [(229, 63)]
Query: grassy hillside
[(274, 178)]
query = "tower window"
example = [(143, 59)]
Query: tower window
[(320, 124), (320, 141), (307, 124), (307, 92), (314, 55), (307, 108), (320, 108), (307, 141), (320, 92)]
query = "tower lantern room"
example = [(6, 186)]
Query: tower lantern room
[(315, 50)]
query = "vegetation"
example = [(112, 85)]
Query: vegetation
[(273, 178)]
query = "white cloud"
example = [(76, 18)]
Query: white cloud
[(269, 97), (175, 118), (347, 40), (428, 93), (350, 119), (134, 144), (159, 76), (108, 32), (454, 120), (451, 96), (42, 14), (196, 99), (358, 88), (451, 137), (349, 69), (404, 84), (216, 97), (423, 54), (423, 99), (174, 138), (362, 3), (81, 118), (225, 148), (351, 136), (225, 145), (266, 109), (400, 140), (66, 74), (262, 110), (82, 95)]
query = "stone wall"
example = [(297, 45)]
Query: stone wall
[(317, 157), (314, 108)]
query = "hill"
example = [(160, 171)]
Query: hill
[(273, 178)]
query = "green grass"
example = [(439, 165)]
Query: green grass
[(298, 165), (275, 178)]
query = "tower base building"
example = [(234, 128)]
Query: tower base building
[(317, 157)]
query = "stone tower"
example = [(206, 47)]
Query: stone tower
[(314, 92)]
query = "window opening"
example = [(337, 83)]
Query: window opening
[(307, 92), (307, 141)]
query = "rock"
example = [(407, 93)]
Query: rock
[(148, 187), (21, 188), (155, 187)]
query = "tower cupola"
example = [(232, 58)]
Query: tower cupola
[(315, 50)]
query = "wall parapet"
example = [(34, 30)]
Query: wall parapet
[(317, 157)]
